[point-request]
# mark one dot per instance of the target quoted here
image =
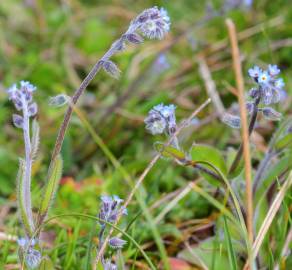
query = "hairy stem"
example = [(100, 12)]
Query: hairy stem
[(96, 68), (116, 46), (28, 163), (250, 130)]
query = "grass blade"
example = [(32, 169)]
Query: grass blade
[(231, 252)]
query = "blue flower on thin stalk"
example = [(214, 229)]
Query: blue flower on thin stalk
[(110, 209), (269, 90), (161, 118)]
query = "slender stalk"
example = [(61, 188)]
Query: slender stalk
[(270, 216), (245, 130), (64, 126), (96, 68), (143, 175), (250, 130), (207, 171), (28, 164), (100, 239)]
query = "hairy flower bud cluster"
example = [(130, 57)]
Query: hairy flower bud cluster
[(108, 265), (152, 23), (161, 119), (269, 90), (22, 99), (31, 256), (110, 208), (109, 212), (270, 87)]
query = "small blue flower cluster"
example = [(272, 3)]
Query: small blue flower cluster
[(109, 212), (110, 208), (153, 23), (32, 257), (108, 265), (161, 119), (270, 88), (22, 99)]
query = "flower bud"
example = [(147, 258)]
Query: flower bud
[(117, 243), (231, 120), (134, 38), (271, 114), (32, 109), (111, 68), (32, 258), (17, 120), (58, 101), (249, 107)]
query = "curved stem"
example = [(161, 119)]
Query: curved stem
[(207, 171), (64, 126), (250, 130), (96, 68)]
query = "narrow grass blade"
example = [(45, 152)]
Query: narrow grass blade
[(271, 214), (90, 245), (231, 252)]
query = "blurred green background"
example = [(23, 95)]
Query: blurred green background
[(54, 44)]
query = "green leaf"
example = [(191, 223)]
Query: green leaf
[(169, 151), (200, 152), (231, 153), (201, 255), (284, 142), (55, 174), (271, 174), (46, 264), (21, 198)]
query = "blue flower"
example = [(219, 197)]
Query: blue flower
[(264, 78), (161, 118), (110, 208), (155, 122), (27, 86), (254, 72), (273, 70), (165, 18), (33, 258), (154, 23), (279, 83)]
